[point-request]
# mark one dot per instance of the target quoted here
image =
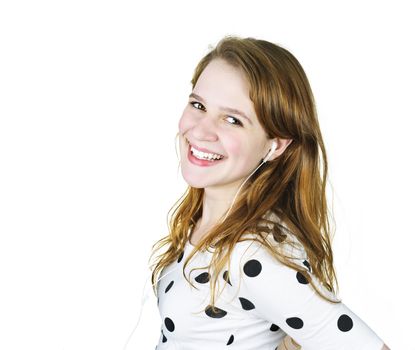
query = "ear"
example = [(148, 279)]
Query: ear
[(282, 144)]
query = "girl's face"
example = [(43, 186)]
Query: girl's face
[(220, 119)]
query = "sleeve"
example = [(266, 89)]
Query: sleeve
[(281, 295)]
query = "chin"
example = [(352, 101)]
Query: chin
[(192, 182)]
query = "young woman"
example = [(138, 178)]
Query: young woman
[(248, 261)]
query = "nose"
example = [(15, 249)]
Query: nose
[(205, 130)]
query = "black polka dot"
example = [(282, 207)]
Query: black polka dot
[(226, 277), (246, 304), (345, 323), (295, 322), (252, 268), (203, 277), (169, 324), (217, 313), (230, 341), (301, 278), (274, 328), (307, 264), (164, 337), (169, 286), (180, 257)]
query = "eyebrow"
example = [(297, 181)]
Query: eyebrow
[(226, 109)]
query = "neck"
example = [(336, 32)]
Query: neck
[(216, 203)]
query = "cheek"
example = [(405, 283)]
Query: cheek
[(244, 152), (185, 123), (235, 146)]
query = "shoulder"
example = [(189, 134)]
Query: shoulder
[(264, 244), (260, 260), (252, 257)]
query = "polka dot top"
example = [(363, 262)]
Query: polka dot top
[(262, 302)]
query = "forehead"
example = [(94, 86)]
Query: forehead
[(220, 73), (222, 84)]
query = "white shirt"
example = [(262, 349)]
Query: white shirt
[(263, 301)]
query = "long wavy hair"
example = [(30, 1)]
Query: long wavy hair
[(292, 186)]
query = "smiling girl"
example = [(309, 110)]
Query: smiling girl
[(248, 262)]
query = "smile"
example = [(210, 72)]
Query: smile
[(203, 159), (203, 155)]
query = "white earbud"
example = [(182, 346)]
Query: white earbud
[(271, 151)]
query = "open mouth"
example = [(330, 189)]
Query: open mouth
[(204, 156)]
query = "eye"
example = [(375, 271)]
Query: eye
[(197, 105), (236, 121)]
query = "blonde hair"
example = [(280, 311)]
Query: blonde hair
[(292, 186)]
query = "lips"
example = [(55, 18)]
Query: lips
[(201, 162)]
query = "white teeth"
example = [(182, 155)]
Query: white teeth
[(203, 155)]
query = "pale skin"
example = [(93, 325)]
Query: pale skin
[(208, 123)]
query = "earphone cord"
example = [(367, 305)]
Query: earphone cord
[(234, 198), (144, 296)]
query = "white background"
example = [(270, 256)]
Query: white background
[(90, 97)]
